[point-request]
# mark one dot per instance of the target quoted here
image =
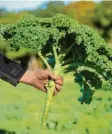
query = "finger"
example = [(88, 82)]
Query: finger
[(45, 82), (59, 82), (51, 75), (41, 87), (58, 87), (61, 78)]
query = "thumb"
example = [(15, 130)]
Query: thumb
[(52, 76)]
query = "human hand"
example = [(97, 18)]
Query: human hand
[(40, 78)]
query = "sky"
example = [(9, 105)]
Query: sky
[(18, 5)]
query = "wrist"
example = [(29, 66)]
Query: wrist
[(27, 78)]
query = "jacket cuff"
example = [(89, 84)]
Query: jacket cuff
[(12, 72)]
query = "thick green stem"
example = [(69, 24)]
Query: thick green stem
[(68, 49), (44, 60), (57, 62), (50, 89)]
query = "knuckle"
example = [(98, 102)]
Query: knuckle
[(47, 71), (61, 78)]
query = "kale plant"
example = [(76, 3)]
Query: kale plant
[(64, 45)]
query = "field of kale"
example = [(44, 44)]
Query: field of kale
[(21, 110)]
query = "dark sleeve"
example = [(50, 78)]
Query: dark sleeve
[(10, 71)]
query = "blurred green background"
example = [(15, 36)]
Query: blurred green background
[(21, 107)]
